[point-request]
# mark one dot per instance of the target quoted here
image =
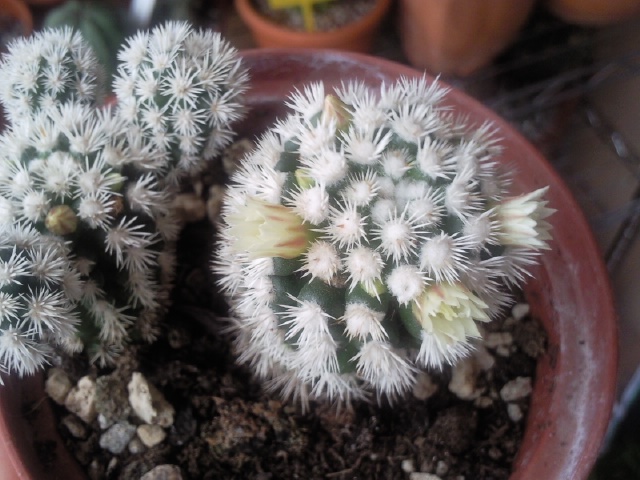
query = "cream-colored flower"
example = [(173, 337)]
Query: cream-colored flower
[(522, 220), (263, 229), (447, 314)]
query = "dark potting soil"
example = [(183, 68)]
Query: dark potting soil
[(227, 427), (327, 15)]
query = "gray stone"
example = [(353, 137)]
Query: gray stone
[(117, 437), (112, 402), (424, 387)]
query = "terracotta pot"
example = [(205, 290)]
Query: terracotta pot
[(19, 12), (457, 37), (357, 36), (575, 385), (594, 12)]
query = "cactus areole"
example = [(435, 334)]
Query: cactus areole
[(367, 236)]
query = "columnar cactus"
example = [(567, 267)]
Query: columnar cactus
[(366, 237), (88, 192)]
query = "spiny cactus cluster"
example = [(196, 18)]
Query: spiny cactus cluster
[(366, 237), (86, 222)]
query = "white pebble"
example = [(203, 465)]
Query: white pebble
[(498, 339), (148, 403), (463, 379), (516, 389), (520, 310), (58, 385), (483, 358), (408, 466), (151, 435), (81, 400), (424, 387), (515, 412)]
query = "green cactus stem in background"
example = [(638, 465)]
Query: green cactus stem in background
[(88, 192), (406, 241)]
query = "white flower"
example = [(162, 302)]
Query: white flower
[(447, 314), (523, 221), (264, 229)]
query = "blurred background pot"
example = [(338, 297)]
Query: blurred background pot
[(570, 295), (457, 37), (358, 36), (594, 12)]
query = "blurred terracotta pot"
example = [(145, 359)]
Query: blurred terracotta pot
[(570, 294), (456, 37), (594, 12), (356, 37), (16, 12)]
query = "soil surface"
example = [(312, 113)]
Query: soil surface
[(328, 15), (227, 427)]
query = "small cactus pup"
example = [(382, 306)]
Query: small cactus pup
[(48, 68), (366, 237), (95, 270), (180, 90)]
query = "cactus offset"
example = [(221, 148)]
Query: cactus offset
[(404, 237), (91, 194), (179, 90)]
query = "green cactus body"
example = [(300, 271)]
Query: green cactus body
[(79, 178), (410, 238)]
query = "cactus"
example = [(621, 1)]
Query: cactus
[(180, 92), (366, 237), (91, 198), (48, 68)]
